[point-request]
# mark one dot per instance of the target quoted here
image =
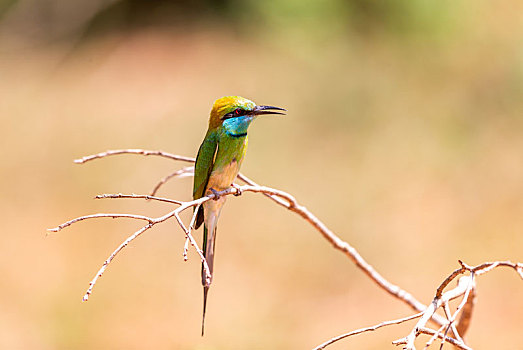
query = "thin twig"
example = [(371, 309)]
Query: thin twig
[(465, 289), (430, 310), (152, 222), (144, 196), (133, 151), (191, 228), (187, 171), (448, 314), (485, 267), (432, 332), (96, 216), (434, 337), (450, 340), (186, 250), (470, 284), (168, 155), (111, 257), (367, 329)]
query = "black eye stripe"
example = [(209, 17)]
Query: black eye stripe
[(238, 112)]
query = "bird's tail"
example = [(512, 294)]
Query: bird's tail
[(209, 237)]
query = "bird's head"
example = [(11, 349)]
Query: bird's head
[(235, 113)]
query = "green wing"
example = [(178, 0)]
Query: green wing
[(203, 168)]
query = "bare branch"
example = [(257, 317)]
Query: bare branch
[(447, 280), (434, 337), (133, 151), (470, 284), (367, 329), (432, 332), (450, 340), (486, 267), (144, 196), (111, 257), (286, 200), (187, 171), (431, 309), (248, 181), (448, 314), (152, 222), (95, 216), (171, 156), (186, 249), (465, 287)]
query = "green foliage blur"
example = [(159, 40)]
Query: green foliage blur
[(403, 135)]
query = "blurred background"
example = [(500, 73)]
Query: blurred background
[(403, 134)]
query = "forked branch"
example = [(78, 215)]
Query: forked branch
[(288, 201), (465, 288)]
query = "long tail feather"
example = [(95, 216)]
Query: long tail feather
[(209, 237), (205, 290)]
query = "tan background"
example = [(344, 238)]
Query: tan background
[(404, 135)]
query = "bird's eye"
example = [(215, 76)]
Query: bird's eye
[(236, 113)]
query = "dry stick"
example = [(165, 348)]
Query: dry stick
[(152, 222), (486, 267), (434, 337), (191, 227), (465, 287), (470, 285), (448, 339), (152, 197), (133, 151), (165, 155), (448, 314), (95, 216), (288, 201), (367, 329), (111, 257), (466, 314), (432, 332), (431, 309), (187, 171), (146, 196)]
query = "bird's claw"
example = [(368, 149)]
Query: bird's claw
[(216, 194), (239, 191)]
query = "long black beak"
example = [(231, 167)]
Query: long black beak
[(258, 110)]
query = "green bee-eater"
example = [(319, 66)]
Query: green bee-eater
[(218, 163)]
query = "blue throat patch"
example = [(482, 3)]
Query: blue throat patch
[(237, 127)]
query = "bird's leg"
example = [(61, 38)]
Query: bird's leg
[(239, 191), (216, 194)]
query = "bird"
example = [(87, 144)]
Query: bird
[(217, 164)]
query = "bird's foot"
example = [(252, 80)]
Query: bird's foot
[(216, 194), (239, 191)]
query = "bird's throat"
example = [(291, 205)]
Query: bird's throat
[(237, 127)]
